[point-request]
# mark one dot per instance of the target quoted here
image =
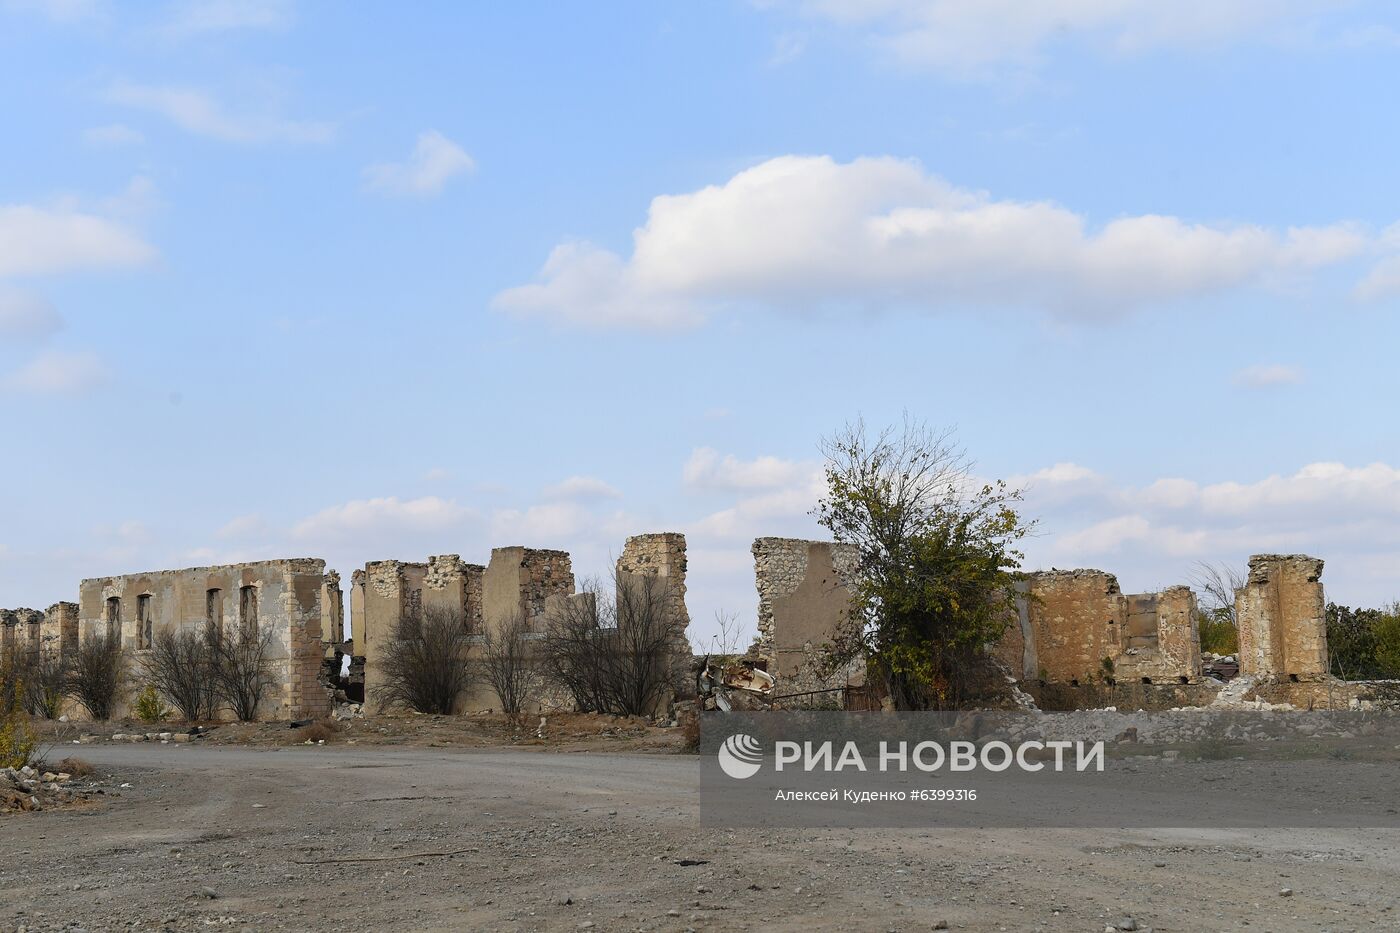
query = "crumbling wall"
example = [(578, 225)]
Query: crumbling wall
[(332, 609), (1077, 626), (453, 584), (280, 596), (59, 630), (388, 591), (804, 598), (663, 555), (1281, 613), (521, 580)]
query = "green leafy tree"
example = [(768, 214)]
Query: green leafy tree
[(938, 560), (1351, 642)]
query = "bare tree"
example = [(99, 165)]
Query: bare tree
[(243, 672), (613, 652), (507, 665), (424, 666), (183, 665), (1216, 584), (97, 674), (727, 640)]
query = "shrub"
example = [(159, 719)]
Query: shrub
[(242, 670), (75, 767), (1387, 630), (18, 741), (44, 675), (424, 665), (1217, 631), (507, 666), (148, 706), (182, 666), (613, 653), (97, 675), (322, 730)]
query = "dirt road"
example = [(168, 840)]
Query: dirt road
[(265, 839)]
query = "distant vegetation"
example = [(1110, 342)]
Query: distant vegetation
[(1364, 644)]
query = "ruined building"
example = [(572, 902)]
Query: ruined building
[(517, 582), (284, 597), (54, 630), (1282, 617), (1076, 626), (1072, 627), (804, 596)]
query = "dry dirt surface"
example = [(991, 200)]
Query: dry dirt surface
[(341, 837)]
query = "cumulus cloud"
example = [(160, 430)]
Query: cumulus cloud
[(435, 159), (41, 241), (582, 488), (58, 373), (971, 38), (707, 469), (1153, 534), (390, 514), (810, 232), (1268, 375), (26, 317), (197, 112)]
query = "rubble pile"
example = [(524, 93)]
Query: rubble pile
[(24, 789)]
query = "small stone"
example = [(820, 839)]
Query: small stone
[(940, 924), (1285, 892), (209, 893), (1127, 923), (673, 912), (1159, 864)]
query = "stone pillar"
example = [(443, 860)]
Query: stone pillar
[(332, 610), (61, 627), (1281, 614), (662, 555)]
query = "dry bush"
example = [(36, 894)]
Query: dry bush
[(97, 675), (507, 666), (44, 676), (243, 672), (19, 744), (181, 664), (322, 730), (76, 767), (424, 666), (613, 652)]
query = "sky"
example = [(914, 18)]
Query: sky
[(365, 281)]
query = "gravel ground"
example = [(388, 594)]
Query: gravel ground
[(336, 838)]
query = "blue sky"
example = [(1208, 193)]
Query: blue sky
[(297, 278)]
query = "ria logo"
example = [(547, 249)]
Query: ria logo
[(740, 756)]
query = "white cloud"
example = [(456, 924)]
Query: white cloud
[(971, 38), (1152, 535), (40, 241), (434, 160), (812, 233), (361, 518), (197, 112), (706, 469), (26, 317), (114, 134), (58, 373), (196, 17), (1266, 376), (582, 488)]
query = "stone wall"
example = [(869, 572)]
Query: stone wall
[(804, 595), (1282, 617), (662, 555), (521, 580), (59, 630), (280, 596), (1077, 626)]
